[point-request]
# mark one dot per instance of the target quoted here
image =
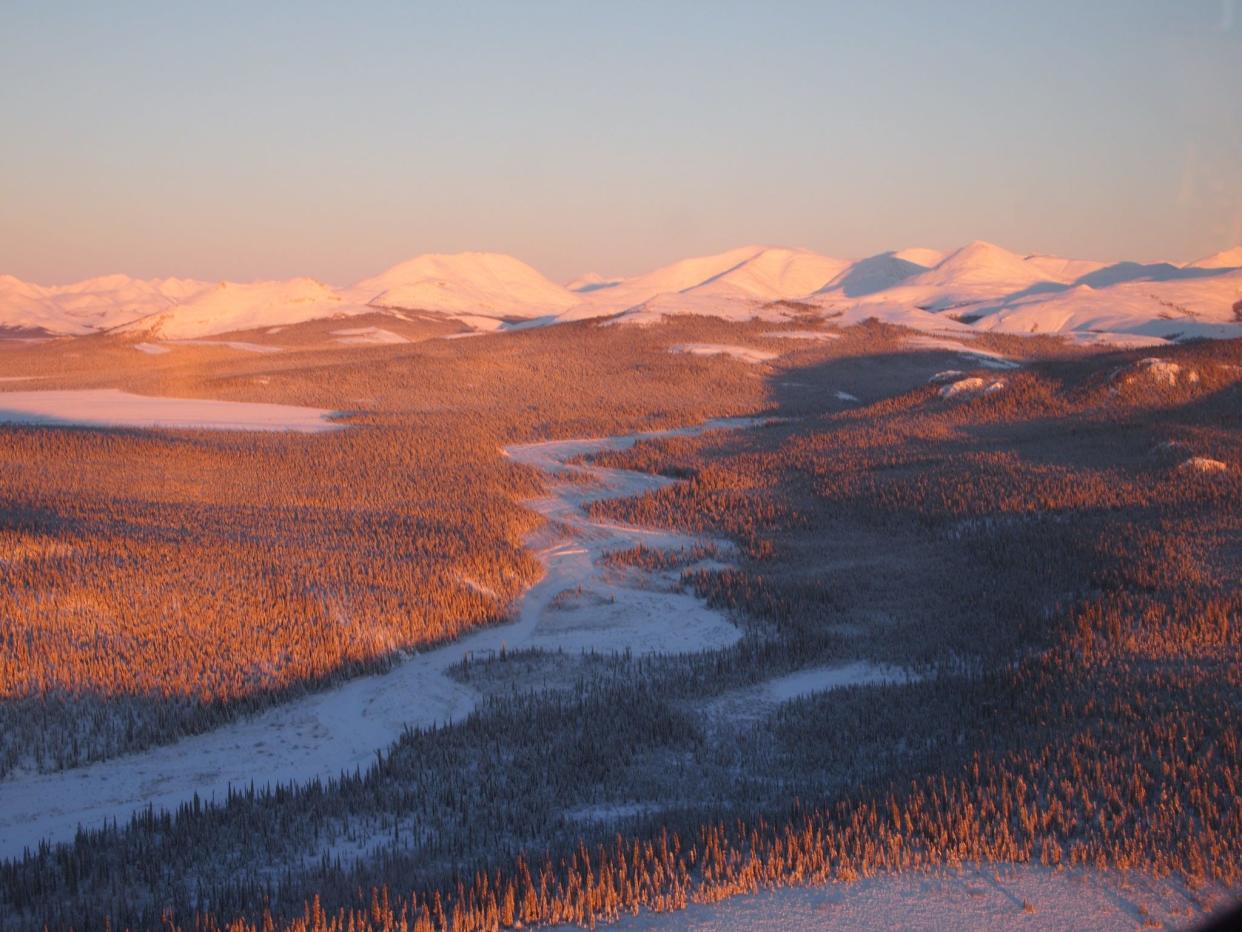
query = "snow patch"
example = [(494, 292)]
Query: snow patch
[(801, 335), (744, 353), (751, 704), (975, 354), (808, 682), (240, 345), (1114, 340), (1157, 370), (110, 407), (375, 336), (1203, 464), (962, 387), (965, 388)]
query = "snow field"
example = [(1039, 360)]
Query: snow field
[(743, 353)]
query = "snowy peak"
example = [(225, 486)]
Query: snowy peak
[(981, 262), (978, 271), (769, 273), (478, 283), (876, 273), (1227, 259), (773, 274)]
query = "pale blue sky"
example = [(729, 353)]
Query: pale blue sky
[(249, 140)]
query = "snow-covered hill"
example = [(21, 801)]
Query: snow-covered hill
[(985, 287), (978, 271), (472, 283), (729, 284), (228, 306)]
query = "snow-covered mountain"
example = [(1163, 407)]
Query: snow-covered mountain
[(986, 287), (478, 284), (978, 271), (729, 284), (87, 306), (1177, 307), (980, 286), (1227, 259), (228, 306), (480, 290)]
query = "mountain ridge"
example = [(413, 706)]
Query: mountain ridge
[(980, 282)]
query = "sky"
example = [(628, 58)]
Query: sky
[(250, 141)]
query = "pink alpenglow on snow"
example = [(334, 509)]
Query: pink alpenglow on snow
[(979, 287), (110, 407)]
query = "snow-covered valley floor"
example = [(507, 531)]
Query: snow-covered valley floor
[(1014, 896), (321, 735)]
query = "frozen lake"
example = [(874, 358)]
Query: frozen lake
[(111, 407)]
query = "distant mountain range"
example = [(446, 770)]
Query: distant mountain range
[(980, 287)]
